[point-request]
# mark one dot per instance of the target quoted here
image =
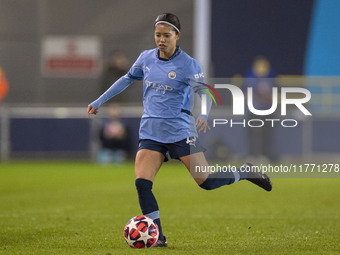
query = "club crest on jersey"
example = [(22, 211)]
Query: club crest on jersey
[(172, 75)]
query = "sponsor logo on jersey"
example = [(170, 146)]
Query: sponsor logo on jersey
[(198, 75), (172, 75), (160, 88)]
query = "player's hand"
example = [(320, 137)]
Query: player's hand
[(91, 110), (202, 125)]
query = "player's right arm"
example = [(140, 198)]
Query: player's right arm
[(91, 110), (135, 73)]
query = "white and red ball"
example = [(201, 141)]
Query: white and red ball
[(141, 232)]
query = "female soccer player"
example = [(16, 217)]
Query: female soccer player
[(170, 76)]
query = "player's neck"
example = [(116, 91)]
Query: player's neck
[(167, 55)]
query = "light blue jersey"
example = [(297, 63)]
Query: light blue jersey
[(168, 89)]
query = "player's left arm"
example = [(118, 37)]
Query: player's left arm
[(202, 119), (197, 84)]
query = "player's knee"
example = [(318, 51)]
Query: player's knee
[(143, 184)]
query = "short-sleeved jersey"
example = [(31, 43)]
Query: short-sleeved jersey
[(167, 94)]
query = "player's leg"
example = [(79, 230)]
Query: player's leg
[(147, 164), (191, 163), (199, 169), (190, 152)]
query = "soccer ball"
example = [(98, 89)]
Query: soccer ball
[(141, 232)]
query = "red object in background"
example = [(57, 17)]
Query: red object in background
[(3, 84), (71, 56), (71, 63)]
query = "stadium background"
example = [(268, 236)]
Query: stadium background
[(49, 205), (298, 37)]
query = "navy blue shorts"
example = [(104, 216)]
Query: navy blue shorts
[(175, 150)]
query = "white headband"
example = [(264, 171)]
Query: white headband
[(168, 24)]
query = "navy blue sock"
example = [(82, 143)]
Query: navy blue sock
[(148, 203), (218, 179)]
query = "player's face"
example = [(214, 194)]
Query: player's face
[(166, 39)]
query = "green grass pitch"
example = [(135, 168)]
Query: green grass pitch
[(81, 208)]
